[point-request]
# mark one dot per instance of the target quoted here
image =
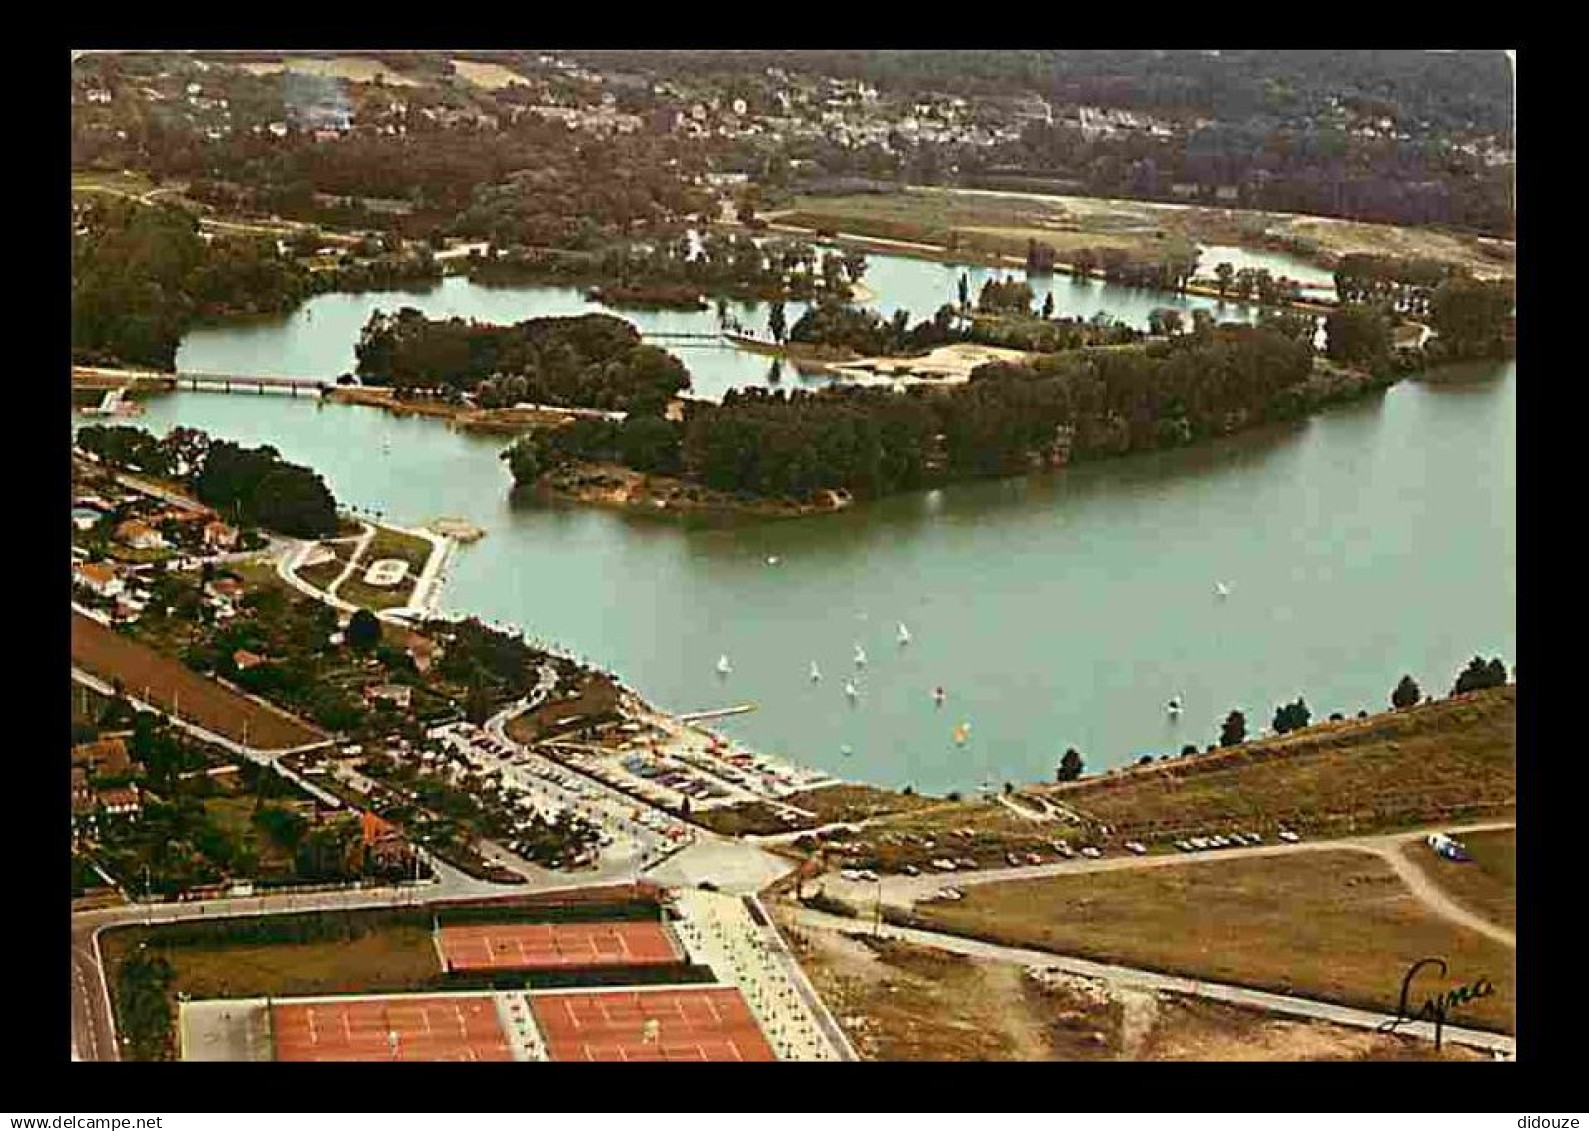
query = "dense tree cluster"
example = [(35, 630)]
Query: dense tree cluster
[(531, 181), (1471, 318), (1169, 269), (256, 486), (142, 273), (143, 1014), (1406, 694), (1006, 419), (1480, 674), (1291, 716), (249, 486), (592, 360), (1255, 285), (732, 265), (1392, 282), (1357, 335), (1005, 296)]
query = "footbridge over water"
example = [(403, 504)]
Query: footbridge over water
[(86, 377)]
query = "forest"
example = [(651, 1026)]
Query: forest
[(1009, 418), (590, 361), (141, 275), (247, 486)]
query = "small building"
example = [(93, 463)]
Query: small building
[(82, 793), (101, 577), (219, 536), (395, 693), (139, 535), (245, 659), (227, 587), (122, 801), (107, 757)]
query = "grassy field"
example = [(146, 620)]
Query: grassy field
[(489, 76), (387, 543), (1488, 883), (391, 959), (1454, 758), (147, 673), (1002, 223), (1337, 926), (351, 68)]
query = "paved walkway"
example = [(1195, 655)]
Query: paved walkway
[(1166, 983)]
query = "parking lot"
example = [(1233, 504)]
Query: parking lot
[(630, 833)]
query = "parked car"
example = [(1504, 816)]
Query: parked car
[(1091, 853), (1288, 836), (950, 894), (911, 870), (1137, 846)]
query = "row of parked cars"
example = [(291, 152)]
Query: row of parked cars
[(1230, 840)]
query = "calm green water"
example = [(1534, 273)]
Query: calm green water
[(1375, 539)]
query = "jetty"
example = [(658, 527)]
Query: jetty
[(716, 713)]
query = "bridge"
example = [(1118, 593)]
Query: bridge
[(235, 382)]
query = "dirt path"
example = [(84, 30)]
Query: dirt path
[(1003, 982), (1434, 897)]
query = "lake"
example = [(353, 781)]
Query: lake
[(1375, 539)]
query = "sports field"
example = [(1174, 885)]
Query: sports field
[(713, 1023), (542, 946), (400, 1028)]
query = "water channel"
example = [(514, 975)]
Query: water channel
[(1374, 539)]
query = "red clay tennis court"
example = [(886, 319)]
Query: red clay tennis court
[(408, 1028), (541, 946), (711, 1023)]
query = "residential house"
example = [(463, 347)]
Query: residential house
[(219, 536), (245, 659), (121, 801), (104, 758), (139, 535), (82, 793), (227, 588), (395, 693), (101, 577)]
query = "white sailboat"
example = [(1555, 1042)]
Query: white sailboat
[(846, 750), (849, 689), (860, 656), (1222, 589), (904, 633), (1175, 705), (722, 665), (939, 695), (816, 673)]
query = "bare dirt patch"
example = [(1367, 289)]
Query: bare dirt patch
[(166, 682)]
